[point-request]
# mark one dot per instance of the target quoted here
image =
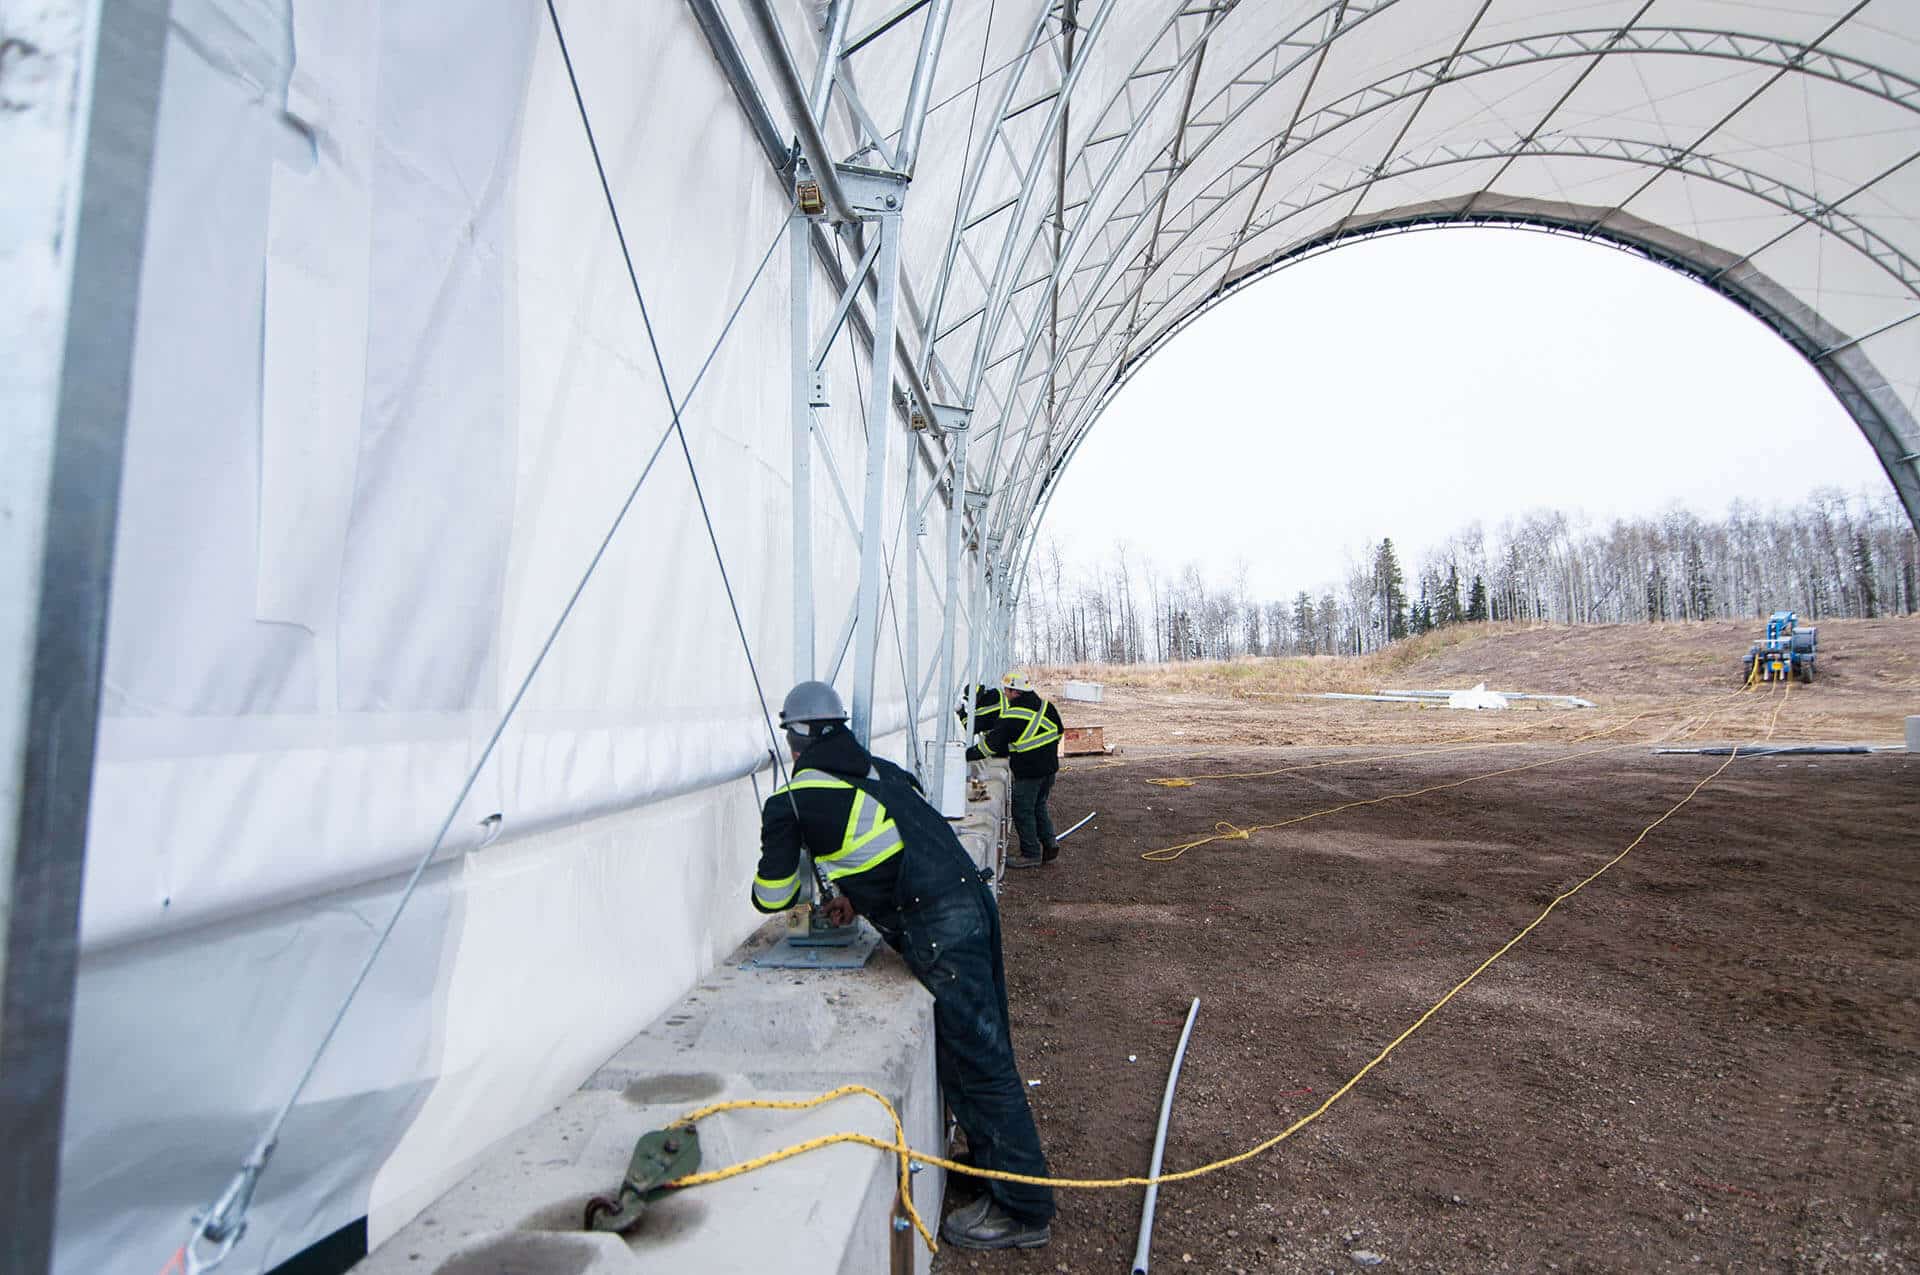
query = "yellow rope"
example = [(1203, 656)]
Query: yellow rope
[(907, 1156), (898, 1145)]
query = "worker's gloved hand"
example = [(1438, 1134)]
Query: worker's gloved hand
[(839, 910)]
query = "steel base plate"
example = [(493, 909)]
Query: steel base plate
[(787, 955)]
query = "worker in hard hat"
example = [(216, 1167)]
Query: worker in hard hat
[(896, 862), (1027, 734)]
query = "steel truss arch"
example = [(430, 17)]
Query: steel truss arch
[(1265, 71), (1132, 211), (1309, 38), (1804, 207), (1889, 428)]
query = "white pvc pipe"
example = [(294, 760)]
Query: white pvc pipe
[(1141, 1249), (1069, 832)]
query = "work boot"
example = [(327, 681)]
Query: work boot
[(1025, 860), (984, 1225), (1051, 853)]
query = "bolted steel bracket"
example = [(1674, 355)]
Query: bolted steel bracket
[(947, 419), (659, 1159), (872, 192)]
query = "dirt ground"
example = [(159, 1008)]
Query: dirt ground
[(1707, 1059)]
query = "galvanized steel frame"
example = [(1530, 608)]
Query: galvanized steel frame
[(1063, 284), (123, 51), (1419, 82)]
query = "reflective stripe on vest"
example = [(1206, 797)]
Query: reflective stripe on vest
[(869, 838), (775, 895), (1040, 729), (983, 722)]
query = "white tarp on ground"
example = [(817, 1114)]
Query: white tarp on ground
[(391, 388), (1478, 697)]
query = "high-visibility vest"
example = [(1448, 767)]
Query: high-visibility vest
[(1040, 730), (869, 838)]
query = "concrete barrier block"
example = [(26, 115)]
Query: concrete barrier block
[(1913, 735), (741, 1033), (1083, 692), (980, 843)]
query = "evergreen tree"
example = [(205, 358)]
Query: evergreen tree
[(1420, 619), (1393, 591), (1306, 632), (1863, 576), (1477, 600), (1449, 610), (1699, 583)]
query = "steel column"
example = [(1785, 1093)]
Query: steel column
[(949, 611), (66, 417), (976, 632), (866, 641), (800, 301), (912, 555)]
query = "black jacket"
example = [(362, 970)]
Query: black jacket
[(1032, 764), (930, 860), (986, 710)]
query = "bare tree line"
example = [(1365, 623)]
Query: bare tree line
[(1831, 556)]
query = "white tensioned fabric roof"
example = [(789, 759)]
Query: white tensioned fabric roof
[(1766, 149)]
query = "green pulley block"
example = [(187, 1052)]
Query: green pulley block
[(659, 1159)]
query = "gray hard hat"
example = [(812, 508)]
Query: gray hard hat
[(811, 702)]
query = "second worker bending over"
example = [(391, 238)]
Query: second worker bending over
[(1027, 734)]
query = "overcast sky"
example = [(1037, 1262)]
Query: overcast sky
[(1402, 386)]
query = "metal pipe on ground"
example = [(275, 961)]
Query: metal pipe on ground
[(1143, 1249), (1786, 750), (1069, 832)]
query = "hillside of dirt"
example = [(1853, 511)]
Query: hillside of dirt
[(1643, 677)]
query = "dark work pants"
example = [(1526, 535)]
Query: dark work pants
[(1031, 818), (952, 944)]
